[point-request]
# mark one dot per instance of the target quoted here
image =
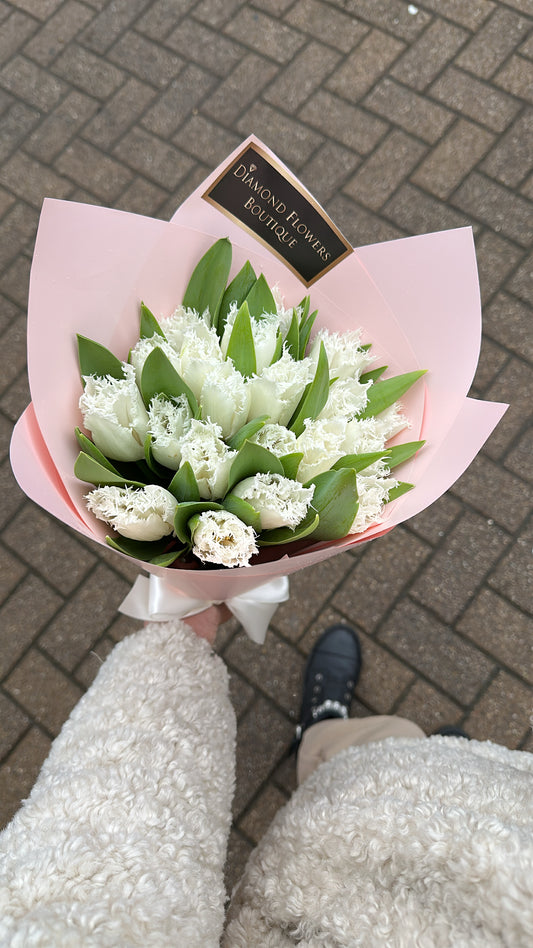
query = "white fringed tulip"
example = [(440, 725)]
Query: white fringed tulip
[(277, 391), (199, 354), (276, 438), (220, 537), (279, 501), (169, 420), (371, 434), (182, 322), (373, 486), (346, 398), (345, 359), (225, 398), (113, 411), (322, 444), (145, 513), (209, 457)]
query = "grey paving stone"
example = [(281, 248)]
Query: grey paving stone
[(146, 59), (502, 715), (19, 120), (519, 459), (522, 282), (497, 258), (327, 24), (328, 169), (433, 649), (119, 113), (265, 35), (495, 493), (263, 737), (216, 13), (108, 27), (427, 56), (32, 181), (459, 151), (459, 566), (88, 72), (499, 36), (391, 15), (433, 522), (201, 44), (19, 772), (84, 617), (385, 170), (22, 616), (62, 27), (13, 723), (359, 225), (236, 858), (509, 322), (475, 99), (516, 77), (289, 138), (48, 548), (258, 818), (362, 68), (411, 111), (240, 88), (44, 691), (492, 359), (34, 85), (304, 74), (419, 213), (311, 589), (512, 386), (343, 122), (510, 160), (86, 166), (58, 128), (17, 27), (514, 575), (275, 669), (428, 707), (175, 104), (502, 630), (386, 567), (158, 160), (162, 17), (505, 212)]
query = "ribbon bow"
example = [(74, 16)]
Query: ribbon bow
[(151, 599)]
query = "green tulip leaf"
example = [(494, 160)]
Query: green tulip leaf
[(159, 377), (236, 292), (336, 501), (241, 349), (253, 459), (260, 300), (291, 463), (183, 485), (315, 395), (155, 552), (279, 348), (401, 488), (373, 375), (243, 510), (383, 394), (247, 431), (402, 452), (282, 535), (306, 326), (292, 339), (149, 325), (160, 472), (358, 462), (91, 471), (89, 448), (208, 280), (95, 359), (189, 509)]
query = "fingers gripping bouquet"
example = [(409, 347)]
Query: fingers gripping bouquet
[(227, 430)]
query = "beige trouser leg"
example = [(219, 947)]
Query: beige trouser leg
[(323, 740)]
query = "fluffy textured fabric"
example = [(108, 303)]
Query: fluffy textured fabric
[(123, 839), (402, 842)]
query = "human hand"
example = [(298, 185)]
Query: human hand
[(205, 624)]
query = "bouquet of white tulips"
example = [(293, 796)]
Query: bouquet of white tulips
[(229, 429)]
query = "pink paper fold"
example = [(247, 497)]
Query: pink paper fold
[(417, 300)]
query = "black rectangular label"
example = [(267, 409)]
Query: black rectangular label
[(263, 199)]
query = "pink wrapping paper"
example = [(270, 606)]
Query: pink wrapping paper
[(417, 300)]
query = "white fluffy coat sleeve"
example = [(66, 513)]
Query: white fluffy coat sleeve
[(123, 839)]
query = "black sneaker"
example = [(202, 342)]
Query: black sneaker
[(331, 674), (451, 730)]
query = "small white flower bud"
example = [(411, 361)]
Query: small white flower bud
[(220, 537)]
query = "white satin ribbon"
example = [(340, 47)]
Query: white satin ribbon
[(151, 599)]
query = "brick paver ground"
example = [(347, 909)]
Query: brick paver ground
[(401, 119)]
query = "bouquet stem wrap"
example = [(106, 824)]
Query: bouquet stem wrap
[(153, 599)]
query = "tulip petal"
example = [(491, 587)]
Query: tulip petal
[(89, 448), (383, 394), (149, 325), (159, 377), (208, 280), (336, 502), (260, 300), (95, 359), (253, 459), (183, 485), (236, 292)]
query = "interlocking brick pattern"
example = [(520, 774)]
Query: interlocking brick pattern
[(399, 118)]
